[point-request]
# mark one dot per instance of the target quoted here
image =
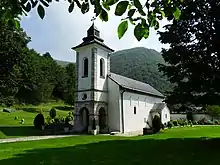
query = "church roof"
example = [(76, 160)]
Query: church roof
[(134, 85), (158, 107), (93, 36)]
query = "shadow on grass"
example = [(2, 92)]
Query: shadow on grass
[(64, 108), (125, 152), (20, 131)]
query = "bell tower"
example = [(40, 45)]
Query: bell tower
[(92, 67)]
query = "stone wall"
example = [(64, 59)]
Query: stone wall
[(196, 116)]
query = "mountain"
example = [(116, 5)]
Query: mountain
[(141, 64), (63, 63)]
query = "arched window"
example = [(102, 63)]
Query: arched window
[(102, 67), (85, 67)]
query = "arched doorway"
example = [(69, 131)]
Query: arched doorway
[(102, 120), (84, 119)]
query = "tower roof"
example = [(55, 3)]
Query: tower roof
[(93, 36)]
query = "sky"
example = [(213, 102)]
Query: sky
[(60, 30)]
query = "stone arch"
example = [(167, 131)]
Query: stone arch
[(84, 119)]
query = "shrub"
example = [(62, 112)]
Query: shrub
[(162, 126), (156, 123), (39, 121), (213, 110), (216, 122), (175, 123), (195, 123), (53, 113), (189, 116), (170, 124), (69, 118), (190, 123), (186, 122)]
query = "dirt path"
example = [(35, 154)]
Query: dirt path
[(32, 138)]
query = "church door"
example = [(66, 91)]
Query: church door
[(102, 119), (84, 117)]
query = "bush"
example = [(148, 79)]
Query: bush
[(195, 123), (170, 124), (190, 123), (39, 121), (175, 123), (53, 113), (69, 118), (156, 124), (189, 116), (216, 122)]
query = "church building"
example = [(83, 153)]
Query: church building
[(111, 102)]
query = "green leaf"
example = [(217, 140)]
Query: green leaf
[(138, 5), (28, 7), (177, 13), (121, 8), (162, 13), (104, 15), (131, 12), (131, 21), (157, 25), (138, 32), (122, 28), (17, 24), (44, 3), (71, 7), (111, 2), (41, 11), (78, 3), (106, 6), (85, 7)]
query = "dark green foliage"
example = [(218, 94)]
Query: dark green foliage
[(156, 124), (213, 110), (39, 121), (69, 118), (189, 116), (140, 64), (175, 123), (53, 113), (170, 124), (193, 56), (195, 123)]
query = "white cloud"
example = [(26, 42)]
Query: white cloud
[(60, 30)]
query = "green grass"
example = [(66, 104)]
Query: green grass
[(179, 146), (9, 127)]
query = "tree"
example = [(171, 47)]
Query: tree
[(193, 58), (70, 90), (142, 16), (213, 111), (13, 43)]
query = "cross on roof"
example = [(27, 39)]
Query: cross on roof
[(93, 19)]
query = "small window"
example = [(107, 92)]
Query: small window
[(130, 100), (102, 67), (166, 116), (85, 67), (135, 110)]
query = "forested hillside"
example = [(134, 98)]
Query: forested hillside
[(29, 77), (140, 64)]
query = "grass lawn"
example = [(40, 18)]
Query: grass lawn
[(9, 127), (179, 146)]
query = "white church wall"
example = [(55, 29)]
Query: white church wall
[(101, 83), (165, 115), (114, 110), (80, 95), (101, 96), (143, 104), (84, 83)]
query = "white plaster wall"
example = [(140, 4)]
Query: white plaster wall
[(84, 83), (101, 96), (101, 83), (143, 103), (165, 115), (80, 95), (114, 107), (195, 116)]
